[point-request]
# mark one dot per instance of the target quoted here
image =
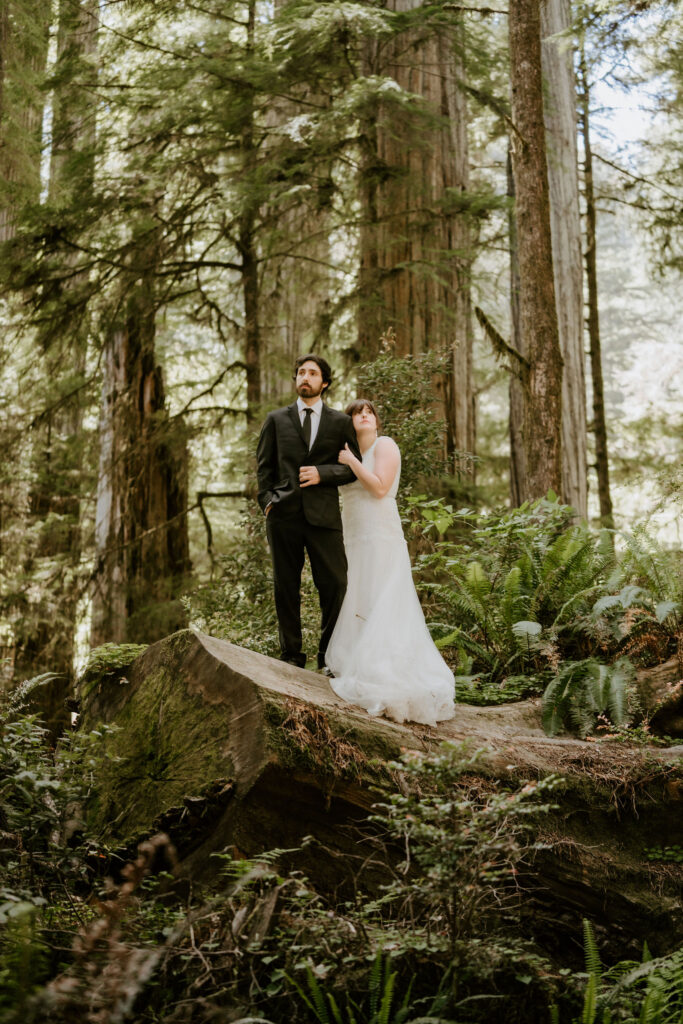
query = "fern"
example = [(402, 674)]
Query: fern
[(584, 690), (591, 954), (659, 1000)]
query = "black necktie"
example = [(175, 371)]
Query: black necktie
[(307, 426)]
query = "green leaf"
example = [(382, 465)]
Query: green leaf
[(664, 609), (526, 628)]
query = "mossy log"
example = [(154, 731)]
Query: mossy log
[(661, 694), (228, 750)]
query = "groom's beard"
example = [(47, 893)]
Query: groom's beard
[(307, 391)]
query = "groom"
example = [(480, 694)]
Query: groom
[(298, 476)]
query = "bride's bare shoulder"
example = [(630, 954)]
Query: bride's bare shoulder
[(387, 444)]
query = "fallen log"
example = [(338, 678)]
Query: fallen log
[(660, 690), (228, 750)]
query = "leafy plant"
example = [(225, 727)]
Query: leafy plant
[(585, 693), (402, 387), (647, 993), (381, 1006), (515, 594), (462, 840)]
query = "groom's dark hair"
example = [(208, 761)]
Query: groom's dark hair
[(322, 364)]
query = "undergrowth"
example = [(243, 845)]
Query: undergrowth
[(528, 601)]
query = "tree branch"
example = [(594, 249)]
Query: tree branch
[(237, 365), (502, 347), (201, 495)]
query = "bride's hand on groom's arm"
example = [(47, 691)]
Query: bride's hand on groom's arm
[(346, 456)]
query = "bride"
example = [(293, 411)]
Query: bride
[(381, 655)]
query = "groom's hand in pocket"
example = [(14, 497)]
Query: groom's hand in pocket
[(308, 476)]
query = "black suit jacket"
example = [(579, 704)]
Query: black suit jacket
[(282, 451)]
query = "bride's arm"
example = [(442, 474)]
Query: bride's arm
[(387, 458)]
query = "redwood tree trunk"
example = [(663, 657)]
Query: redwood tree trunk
[(141, 523), (46, 641), (248, 253), (415, 242), (565, 226), (296, 289), (599, 424), (516, 390), (538, 316)]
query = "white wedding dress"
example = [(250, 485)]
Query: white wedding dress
[(381, 653)]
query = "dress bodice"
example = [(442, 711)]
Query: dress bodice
[(363, 513)]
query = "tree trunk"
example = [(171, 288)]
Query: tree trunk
[(599, 424), (296, 289), (538, 315), (24, 35), (516, 387), (415, 239), (141, 522), (47, 640), (565, 226), (72, 160), (246, 245)]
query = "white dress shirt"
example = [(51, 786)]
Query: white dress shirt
[(315, 418)]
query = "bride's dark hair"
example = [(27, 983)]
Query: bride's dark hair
[(359, 405)]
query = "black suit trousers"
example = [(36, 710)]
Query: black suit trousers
[(289, 538)]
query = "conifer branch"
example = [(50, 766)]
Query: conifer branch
[(501, 347), (636, 177), (237, 365)]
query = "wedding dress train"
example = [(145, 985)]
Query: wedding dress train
[(381, 653)]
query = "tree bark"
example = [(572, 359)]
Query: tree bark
[(599, 422), (141, 521), (516, 386), (415, 238), (72, 159), (246, 244), (46, 642), (538, 315), (296, 289), (565, 226)]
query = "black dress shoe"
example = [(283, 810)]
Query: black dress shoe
[(326, 672), (293, 659)]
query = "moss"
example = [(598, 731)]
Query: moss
[(165, 746), (107, 663)]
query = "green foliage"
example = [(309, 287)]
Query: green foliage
[(110, 658), (528, 601), (238, 604), (643, 606), (24, 959), (462, 841), (647, 993), (515, 595), (665, 854), (381, 1006), (402, 388), (586, 694), (44, 856)]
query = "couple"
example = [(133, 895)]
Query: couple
[(374, 640)]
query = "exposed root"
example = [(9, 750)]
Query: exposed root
[(310, 730)]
